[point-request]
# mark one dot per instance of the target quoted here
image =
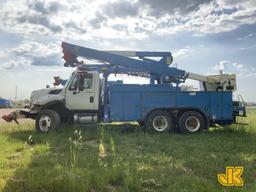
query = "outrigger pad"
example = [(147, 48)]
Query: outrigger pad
[(7, 118), (10, 117)]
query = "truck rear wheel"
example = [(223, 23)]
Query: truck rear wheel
[(47, 120), (159, 121), (191, 122)]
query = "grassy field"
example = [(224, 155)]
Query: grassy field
[(120, 157)]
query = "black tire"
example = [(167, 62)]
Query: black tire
[(191, 122), (159, 121), (47, 120)]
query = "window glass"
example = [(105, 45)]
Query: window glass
[(86, 81), (73, 85)]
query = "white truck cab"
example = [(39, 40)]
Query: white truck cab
[(77, 101), (82, 91)]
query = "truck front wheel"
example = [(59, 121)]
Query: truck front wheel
[(191, 122), (159, 121), (47, 120)]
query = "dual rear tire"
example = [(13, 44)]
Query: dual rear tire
[(191, 122), (159, 121), (186, 122)]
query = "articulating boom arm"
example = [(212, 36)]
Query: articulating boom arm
[(124, 62), (118, 63)]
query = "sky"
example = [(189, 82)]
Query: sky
[(204, 36)]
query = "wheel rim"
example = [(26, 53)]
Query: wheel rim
[(192, 123), (160, 123), (45, 123)]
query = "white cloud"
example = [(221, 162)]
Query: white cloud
[(33, 53), (20, 63), (2, 54), (222, 65), (182, 52), (140, 18), (32, 48), (245, 37), (249, 47), (236, 3), (210, 18), (237, 68)]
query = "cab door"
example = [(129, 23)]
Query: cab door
[(83, 92)]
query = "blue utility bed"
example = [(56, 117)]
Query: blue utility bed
[(133, 102)]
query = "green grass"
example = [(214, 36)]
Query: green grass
[(120, 157)]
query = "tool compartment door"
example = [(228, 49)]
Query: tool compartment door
[(125, 106)]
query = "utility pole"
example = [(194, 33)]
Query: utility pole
[(16, 89)]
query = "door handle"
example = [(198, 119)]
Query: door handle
[(91, 99)]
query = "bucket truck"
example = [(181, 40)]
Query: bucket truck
[(88, 96)]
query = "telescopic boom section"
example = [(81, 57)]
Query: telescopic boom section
[(159, 68)]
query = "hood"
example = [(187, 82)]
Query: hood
[(37, 94), (43, 96), (46, 91)]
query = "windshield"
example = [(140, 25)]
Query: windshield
[(70, 79)]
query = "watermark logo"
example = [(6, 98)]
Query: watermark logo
[(232, 177)]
